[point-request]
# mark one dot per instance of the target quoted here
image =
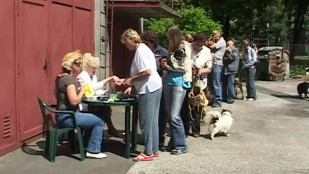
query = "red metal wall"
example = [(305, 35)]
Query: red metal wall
[(32, 78), (34, 39), (8, 124)]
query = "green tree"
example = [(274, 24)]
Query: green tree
[(248, 18), (298, 10), (193, 20)]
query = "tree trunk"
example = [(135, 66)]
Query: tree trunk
[(226, 28), (300, 10)]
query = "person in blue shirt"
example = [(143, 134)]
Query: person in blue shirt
[(179, 78), (249, 62)]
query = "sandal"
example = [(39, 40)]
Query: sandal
[(143, 157), (156, 154)]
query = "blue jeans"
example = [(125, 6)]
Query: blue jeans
[(228, 92), (162, 120), (250, 84), (149, 105), (174, 96), (215, 83), (86, 121)]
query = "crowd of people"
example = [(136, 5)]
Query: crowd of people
[(163, 79)]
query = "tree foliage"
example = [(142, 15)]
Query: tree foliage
[(287, 19), (194, 19), (281, 22)]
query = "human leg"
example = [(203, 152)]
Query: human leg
[(252, 87), (111, 128), (148, 117), (177, 129), (217, 83), (107, 112), (162, 120), (247, 82), (157, 97), (184, 113), (195, 121), (96, 123), (224, 88), (230, 88), (210, 84), (167, 100), (89, 121)]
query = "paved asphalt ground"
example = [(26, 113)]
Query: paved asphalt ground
[(269, 135)]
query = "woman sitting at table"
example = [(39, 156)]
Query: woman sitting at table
[(69, 94), (90, 66)]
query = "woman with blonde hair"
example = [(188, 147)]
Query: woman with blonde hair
[(87, 76), (179, 78), (148, 84), (69, 94)]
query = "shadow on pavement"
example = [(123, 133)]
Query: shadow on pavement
[(63, 149), (286, 96)]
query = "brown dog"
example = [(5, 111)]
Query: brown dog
[(238, 88)]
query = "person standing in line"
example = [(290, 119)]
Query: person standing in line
[(189, 38), (148, 84), (202, 64), (179, 78), (249, 64), (150, 38), (230, 68), (184, 112), (217, 47)]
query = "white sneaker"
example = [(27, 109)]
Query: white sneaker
[(96, 155), (250, 99)]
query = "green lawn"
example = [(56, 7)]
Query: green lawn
[(302, 57), (298, 66)]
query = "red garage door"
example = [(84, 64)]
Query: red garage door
[(48, 30), (34, 37), (8, 123), (33, 25), (70, 28)]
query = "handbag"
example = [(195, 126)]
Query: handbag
[(197, 98)]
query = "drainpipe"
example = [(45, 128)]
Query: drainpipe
[(141, 25)]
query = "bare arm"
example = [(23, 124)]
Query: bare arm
[(73, 97), (140, 76), (114, 78), (205, 70)]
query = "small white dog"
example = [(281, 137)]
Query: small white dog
[(218, 122)]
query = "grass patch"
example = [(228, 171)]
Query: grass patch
[(297, 66), (304, 57)]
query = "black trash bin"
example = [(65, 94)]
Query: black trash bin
[(262, 69), (273, 63)]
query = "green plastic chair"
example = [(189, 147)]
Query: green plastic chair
[(53, 132)]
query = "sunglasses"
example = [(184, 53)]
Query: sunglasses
[(78, 63)]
